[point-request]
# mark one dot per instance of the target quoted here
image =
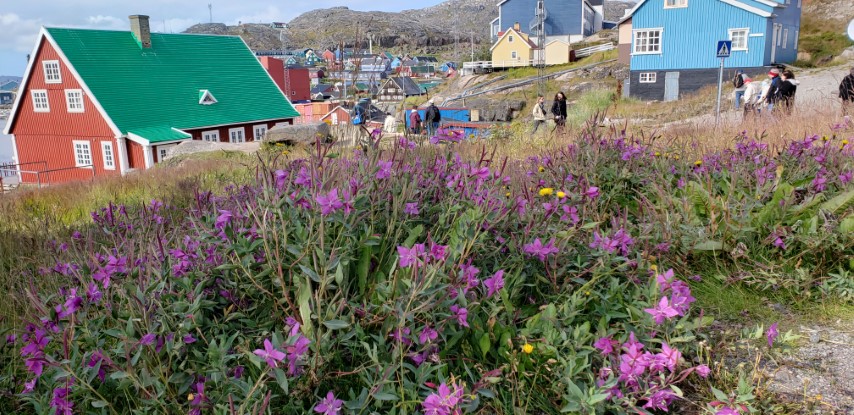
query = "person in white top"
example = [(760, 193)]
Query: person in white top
[(539, 113), (390, 124), (753, 93)]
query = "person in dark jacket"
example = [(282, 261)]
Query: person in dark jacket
[(846, 93), (432, 117), (559, 111), (774, 92), (788, 88)]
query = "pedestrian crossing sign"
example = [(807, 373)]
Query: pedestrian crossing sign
[(724, 48)]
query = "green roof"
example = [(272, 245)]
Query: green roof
[(156, 89), (159, 134)]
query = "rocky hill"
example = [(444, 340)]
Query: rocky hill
[(424, 29)]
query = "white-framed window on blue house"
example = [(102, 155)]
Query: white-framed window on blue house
[(739, 38), (647, 41), (797, 34), (785, 38), (647, 77), (673, 4)]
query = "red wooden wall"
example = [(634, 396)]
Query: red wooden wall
[(48, 136)]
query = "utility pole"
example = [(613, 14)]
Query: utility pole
[(471, 42), (210, 11), (540, 14)]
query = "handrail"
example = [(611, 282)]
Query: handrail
[(583, 52), (39, 173)]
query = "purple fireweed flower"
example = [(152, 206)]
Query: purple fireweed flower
[(295, 352), (147, 339), (294, 326), (703, 371), (427, 335), (819, 183), (238, 372), (846, 176), (591, 193), (410, 256), (663, 311), (384, 171), (411, 208), (72, 304), (438, 252), (93, 294), (772, 334), (539, 250), (444, 401), (270, 354), (281, 178), (604, 243), (60, 401), (664, 280), (401, 335), (303, 178), (76, 236), (494, 283), (681, 298), (660, 400), (329, 405), (36, 363), (30, 386), (188, 339), (727, 411), (329, 202), (460, 314), (96, 358), (671, 356), (605, 345), (198, 398), (570, 213), (11, 338), (223, 219)]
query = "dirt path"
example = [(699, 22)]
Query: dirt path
[(820, 373)]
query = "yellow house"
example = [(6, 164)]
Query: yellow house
[(513, 48), (558, 52)]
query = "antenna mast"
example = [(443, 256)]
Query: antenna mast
[(210, 12), (540, 16)]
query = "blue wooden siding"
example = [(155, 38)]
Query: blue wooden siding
[(790, 18), (564, 16), (690, 35)]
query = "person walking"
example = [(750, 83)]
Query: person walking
[(539, 113), (432, 117), (752, 98), (415, 121), (773, 95), (846, 92), (559, 111), (788, 88), (739, 82)]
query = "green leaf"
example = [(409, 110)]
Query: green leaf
[(336, 324), (484, 344), (281, 379), (99, 404), (599, 397), (839, 203), (709, 246), (385, 396)]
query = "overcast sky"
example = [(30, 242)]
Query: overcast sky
[(20, 20)]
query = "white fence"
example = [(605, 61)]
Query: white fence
[(580, 53)]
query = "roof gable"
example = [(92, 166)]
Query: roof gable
[(521, 35), (741, 4), (156, 87)]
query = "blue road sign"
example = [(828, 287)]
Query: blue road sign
[(724, 48)]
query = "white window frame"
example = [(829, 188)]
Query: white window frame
[(677, 4), (48, 66), (161, 153), (650, 77), (35, 94), (71, 97), (78, 161), (108, 155), (797, 35), (242, 133), (785, 37), (255, 128), (746, 31), (510, 39), (514, 55), (210, 134), (635, 45), (779, 28)]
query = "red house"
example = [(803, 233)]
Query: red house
[(99, 102), (297, 84)]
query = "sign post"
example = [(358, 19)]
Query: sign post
[(723, 51)]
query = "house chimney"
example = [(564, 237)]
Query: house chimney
[(516, 26), (140, 29)]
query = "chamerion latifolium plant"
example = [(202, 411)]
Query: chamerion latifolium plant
[(428, 279)]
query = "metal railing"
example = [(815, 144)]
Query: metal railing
[(584, 52), (43, 175)]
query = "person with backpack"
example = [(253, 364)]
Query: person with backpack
[(739, 82), (846, 92), (752, 98), (432, 117), (773, 95), (414, 121), (559, 111), (359, 118), (539, 113), (788, 88)]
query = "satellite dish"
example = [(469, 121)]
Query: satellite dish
[(851, 30)]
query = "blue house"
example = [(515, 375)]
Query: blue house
[(673, 42), (566, 20)]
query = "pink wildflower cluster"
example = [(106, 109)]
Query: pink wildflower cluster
[(677, 304), (445, 401), (419, 255)]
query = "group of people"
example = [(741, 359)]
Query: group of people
[(778, 91), (432, 118), (558, 112)]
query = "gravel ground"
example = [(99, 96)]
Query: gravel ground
[(821, 372)]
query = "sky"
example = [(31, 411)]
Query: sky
[(20, 20)]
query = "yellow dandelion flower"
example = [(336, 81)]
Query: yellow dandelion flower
[(541, 169), (675, 157), (191, 397), (528, 348), (844, 142), (546, 191), (824, 138), (657, 154), (285, 152), (508, 194), (698, 163), (561, 195), (587, 293), (653, 267)]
